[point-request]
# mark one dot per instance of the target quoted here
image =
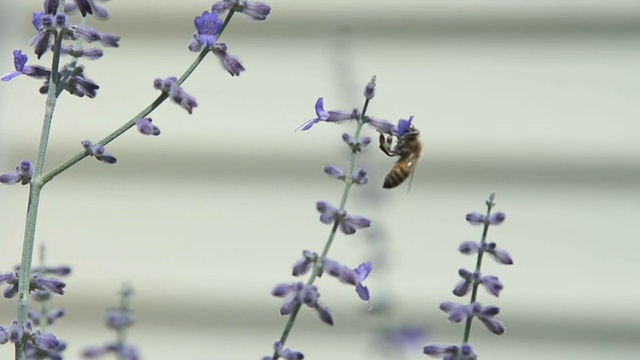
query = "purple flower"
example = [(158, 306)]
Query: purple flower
[(348, 223), (343, 273), (403, 126), (145, 127), (382, 126), (207, 26), (91, 54), (47, 284), (500, 256), (230, 63), (472, 247), (456, 312), (118, 319), (19, 63), (305, 264), (97, 150), (485, 315), (328, 116), (462, 288), (370, 89), (360, 176), (475, 218), (176, 93), (299, 293), (48, 341), (91, 35), (334, 172), (451, 352), (356, 145), (23, 174), (287, 353), (491, 283), (362, 272), (386, 127), (351, 223), (253, 9), (87, 7)]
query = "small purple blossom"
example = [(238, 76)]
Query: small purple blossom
[(91, 35), (145, 127), (253, 9), (91, 54), (348, 223), (20, 64), (475, 218), (47, 284), (176, 93), (286, 354), (472, 247), (207, 27), (22, 174), (362, 272), (230, 63), (451, 352), (328, 116), (356, 145), (87, 7), (360, 176), (118, 319), (455, 312), (299, 293), (343, 273), (97, 150), (370, 89), (305, 264), (334, 172)]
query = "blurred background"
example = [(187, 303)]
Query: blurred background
[(535, 100)]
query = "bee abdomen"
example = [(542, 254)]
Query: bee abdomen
[(395, 177)]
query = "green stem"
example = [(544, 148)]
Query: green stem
[(476, 284), (24, 277), (334, 229)]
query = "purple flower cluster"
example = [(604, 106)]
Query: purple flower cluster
[(119, 320), (176, 93), (23, 174), (50, 25), (37, 283), (98, 152), (39, 344), (470, 282), (209, 26)]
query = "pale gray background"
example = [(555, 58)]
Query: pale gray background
[(536, 100)]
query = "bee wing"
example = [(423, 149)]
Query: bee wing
[(412, 163)]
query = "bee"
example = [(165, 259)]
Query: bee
[(408, 148)]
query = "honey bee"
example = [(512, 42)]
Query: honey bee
[(408, 148)]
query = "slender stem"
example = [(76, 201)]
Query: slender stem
[(334, 229), (476, 284), (24, 277)]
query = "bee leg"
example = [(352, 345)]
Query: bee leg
[(385, 144)]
